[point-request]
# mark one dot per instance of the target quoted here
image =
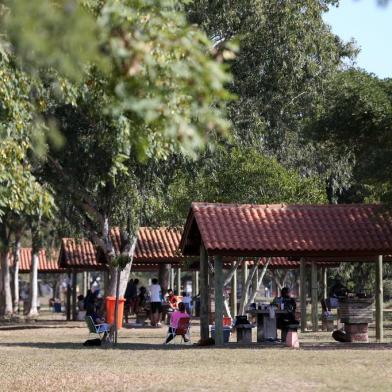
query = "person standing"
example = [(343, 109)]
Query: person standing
[(156, 302), (130, 298), (187, 301)]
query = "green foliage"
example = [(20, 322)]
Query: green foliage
[(161, 79), (357, 118), (20, 192), (238, 175), (387, 290), (52, 34), (286, 54)]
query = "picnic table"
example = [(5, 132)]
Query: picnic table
[(266, 326)]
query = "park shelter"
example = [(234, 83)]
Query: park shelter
[(295, 231), (47, 261), (153, 247), (156, 250)]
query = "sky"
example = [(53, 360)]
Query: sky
[(371, 26)]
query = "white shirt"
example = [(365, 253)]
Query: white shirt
[(155, 292)]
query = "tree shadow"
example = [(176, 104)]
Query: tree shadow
[(332, 346)]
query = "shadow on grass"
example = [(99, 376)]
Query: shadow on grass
[(332, 346)]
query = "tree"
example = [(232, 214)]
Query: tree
[(286, 55), (236, 174), (19, 189), (356, 119), (157, 91)]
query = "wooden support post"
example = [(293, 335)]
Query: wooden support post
[(88, 282), (218, 300), (324, 277), (255, 281), (179, 281), (314, 285), (194, 293), (233, 294), (244, 278), (68, 306), (197, 280), (204, 325), (84, 288), (302, 283), (74, 284), (171, 278), (379, 300)]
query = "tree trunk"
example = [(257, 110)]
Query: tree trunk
[(259, 282), (123, 280), (15, 276), (246, 288), (227, 308), (233, 269), (163, 277), (33, 311), (1, 288), (279, 280), (5, 294), (122, 277)]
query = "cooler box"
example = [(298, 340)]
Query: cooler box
[(110, 305), (226, 333)]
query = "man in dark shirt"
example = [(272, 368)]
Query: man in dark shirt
[(287, 303), (130, 297)]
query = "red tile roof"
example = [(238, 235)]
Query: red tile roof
[(47, 261), (79, 254), (288, 230), (153, 246)]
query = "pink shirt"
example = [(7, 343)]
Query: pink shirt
[(176, 316)]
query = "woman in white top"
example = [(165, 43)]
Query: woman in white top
[(156, 303)]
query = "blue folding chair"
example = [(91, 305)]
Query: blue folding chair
[(102, 330)]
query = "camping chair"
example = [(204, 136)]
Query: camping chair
[(183, 329), (99, 329)]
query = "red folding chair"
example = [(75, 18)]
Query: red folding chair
[(183, 330)]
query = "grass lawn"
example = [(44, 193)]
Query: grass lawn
[(53, 358)]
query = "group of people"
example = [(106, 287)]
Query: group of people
[(154, 301)]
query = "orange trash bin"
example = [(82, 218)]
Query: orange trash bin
[(110, 306)]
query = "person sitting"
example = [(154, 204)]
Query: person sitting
[(171, 300), (81, 302), (337, 292), (81, 310), (287, 303), (89, 302), (141, 300), (174, 320)]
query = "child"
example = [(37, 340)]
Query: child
[(187, 301)]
